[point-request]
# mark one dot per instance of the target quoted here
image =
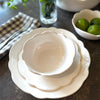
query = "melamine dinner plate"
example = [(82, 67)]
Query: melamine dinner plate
[(51, 83), (64, 90)]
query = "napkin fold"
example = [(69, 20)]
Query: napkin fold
[(11, 26)]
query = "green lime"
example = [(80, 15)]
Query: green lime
[(95, 21), (82, 24), (94, 29)]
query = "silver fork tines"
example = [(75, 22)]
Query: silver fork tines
[(24, 28)]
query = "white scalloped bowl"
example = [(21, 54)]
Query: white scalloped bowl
[(89, 15), (48, 53)]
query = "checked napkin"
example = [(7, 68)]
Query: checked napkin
[(12, 25)]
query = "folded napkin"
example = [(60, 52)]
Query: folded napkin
[(13, 25)]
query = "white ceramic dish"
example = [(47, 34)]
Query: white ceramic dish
[(51, 83), (76, 5), (48, 53), (64, 91), (89, 15)]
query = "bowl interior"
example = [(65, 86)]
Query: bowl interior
[(48, 54)]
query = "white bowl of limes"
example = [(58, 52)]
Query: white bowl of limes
[(87, 24)]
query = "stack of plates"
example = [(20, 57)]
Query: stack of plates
[(42, 85)]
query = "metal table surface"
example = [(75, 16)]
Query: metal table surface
[(90, 90)]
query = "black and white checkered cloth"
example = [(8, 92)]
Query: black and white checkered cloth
[(12, 26)]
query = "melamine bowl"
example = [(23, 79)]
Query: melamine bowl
[(48, 53), (89, 15)]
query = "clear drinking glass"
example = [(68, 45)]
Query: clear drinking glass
[(48, 11)]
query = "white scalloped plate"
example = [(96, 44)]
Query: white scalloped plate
[(63, 91), (51, 83)]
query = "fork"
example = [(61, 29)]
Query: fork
[(24, 28)]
